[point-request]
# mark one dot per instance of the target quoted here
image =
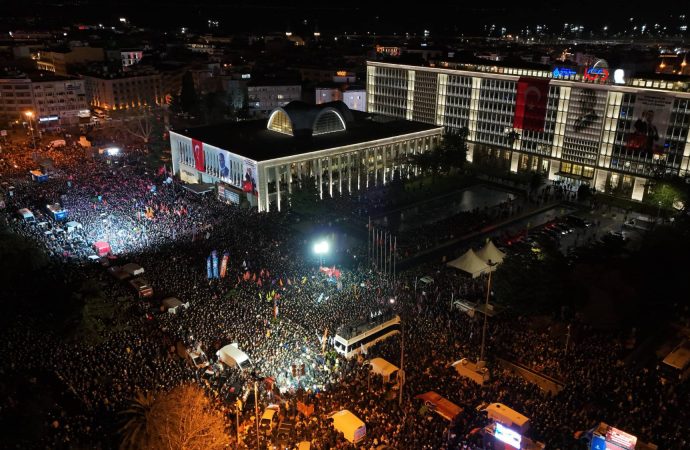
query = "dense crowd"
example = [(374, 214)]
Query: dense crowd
[(278, 307)]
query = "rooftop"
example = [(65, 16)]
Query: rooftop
[(252, 140)]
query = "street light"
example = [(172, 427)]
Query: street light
[(30, 115), (486, 311), (321, 248)]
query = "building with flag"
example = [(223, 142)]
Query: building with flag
[(262, 161), (594, 125)]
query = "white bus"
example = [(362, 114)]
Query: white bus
[(351, 339), (675, 367)]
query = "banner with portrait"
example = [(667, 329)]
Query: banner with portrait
[(651, 114), (584, 122), (586, 111), (233, 169)]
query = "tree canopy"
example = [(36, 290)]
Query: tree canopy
[(183, 418)]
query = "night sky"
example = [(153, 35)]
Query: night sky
[(358, 15)]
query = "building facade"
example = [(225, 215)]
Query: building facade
[(263, 97), (124, 91), (53, 100), (264, 160), (58, 62), (615, 134)]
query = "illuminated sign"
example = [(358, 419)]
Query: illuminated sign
[(596, 74), (619, 76), (507, 435), (621, 438), (341, 73), (559, 72), (48, 118)]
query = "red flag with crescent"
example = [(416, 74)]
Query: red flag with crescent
[(198, 150), (530, 103)]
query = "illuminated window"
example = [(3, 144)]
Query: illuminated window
[(280, 122), (328, 122), (566, 167), (588, 172)]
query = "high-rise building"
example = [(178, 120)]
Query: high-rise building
[(124, 90), (600, 127)]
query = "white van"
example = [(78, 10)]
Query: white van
[(27, 215), (350, 425), (232, 356)]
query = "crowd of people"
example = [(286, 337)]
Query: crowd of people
[(282, 311)]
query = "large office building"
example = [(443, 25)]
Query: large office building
[(595, 126), (52, 100), (264, 160)]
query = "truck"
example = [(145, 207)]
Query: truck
[(500, 413), (350, 425)]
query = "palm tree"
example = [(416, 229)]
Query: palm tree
[(134, 432)]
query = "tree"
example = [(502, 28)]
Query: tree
[(134, 432), (188, 96), (185, 419)]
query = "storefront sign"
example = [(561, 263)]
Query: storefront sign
[(48, 119)]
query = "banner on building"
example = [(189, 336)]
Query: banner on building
[(214, 260), (530, 103), (650, 119), (198, 151), (224, 264)]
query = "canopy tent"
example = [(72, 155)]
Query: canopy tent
[(470, 263), (233, 356), (382, 367), (444, 407), (490, 253)]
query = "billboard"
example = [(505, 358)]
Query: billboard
[(651, 114)]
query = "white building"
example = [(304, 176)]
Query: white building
[(264, 97), (262, 161), (573, 126)]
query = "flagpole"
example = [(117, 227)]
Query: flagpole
[(390, 252), (395, 255), (369, 241)]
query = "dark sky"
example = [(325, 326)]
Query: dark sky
[(354, 15)]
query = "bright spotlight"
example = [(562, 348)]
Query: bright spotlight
[(321, 248), (112, 151), (391, 301)]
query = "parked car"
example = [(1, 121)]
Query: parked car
[(270, 419)]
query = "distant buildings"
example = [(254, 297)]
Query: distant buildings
[(264, 96), (124, 90), (53, 100), (60, 61)]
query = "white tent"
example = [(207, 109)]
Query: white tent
[(233, 356), (382, 367), (470, 263), (490, 252)]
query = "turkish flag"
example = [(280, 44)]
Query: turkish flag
[(530, 103), (247, 186), (198, 149)]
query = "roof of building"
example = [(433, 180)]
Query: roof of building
[(252, 140)]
